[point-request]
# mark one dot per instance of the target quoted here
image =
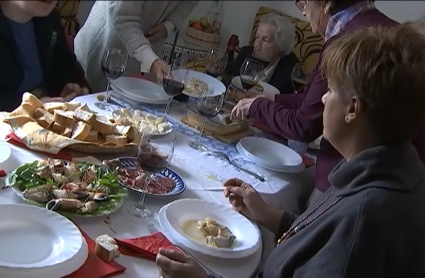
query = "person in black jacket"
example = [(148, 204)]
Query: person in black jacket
[(273, 46), (35, 55)]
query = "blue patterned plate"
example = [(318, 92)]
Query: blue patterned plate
[(180, 186)]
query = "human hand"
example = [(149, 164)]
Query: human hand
[(72, 90), (245, 199), (241, 110), (157, 33), (173, 264), (160, 69)]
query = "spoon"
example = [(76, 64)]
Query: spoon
[(226, 157)]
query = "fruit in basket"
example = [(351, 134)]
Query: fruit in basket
[(204, 22), (203, 25), (197, 25)]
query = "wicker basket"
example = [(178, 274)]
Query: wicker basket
[(202, 39)]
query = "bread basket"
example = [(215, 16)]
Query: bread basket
[(201, 38)]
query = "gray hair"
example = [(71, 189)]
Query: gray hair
[(285, 31)]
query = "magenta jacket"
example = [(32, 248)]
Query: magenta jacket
[(299, 116)]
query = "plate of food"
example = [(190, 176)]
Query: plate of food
[(143, 121), (72, 189), (211, 229), (165, 184), (198, 82)]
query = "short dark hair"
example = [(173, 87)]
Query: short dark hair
[(339, 5), (384, 67)]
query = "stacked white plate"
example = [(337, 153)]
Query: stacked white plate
[(215, 86), (173, 217), (140, 90), (270, 155), (38, 243)]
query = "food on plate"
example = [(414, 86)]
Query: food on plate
[(196, 86), (106, 248), (209, 232), (79, 188), (142, 121), (235, 94)]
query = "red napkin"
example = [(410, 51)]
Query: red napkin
[(18, 142), (145, 247), (94, 267)]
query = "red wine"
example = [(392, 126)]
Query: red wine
[(172, 87), (248, 82), (208, 112), (152, 162), (113, 73)]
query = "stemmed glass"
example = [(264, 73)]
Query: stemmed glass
[(250, 74), (216, 62), (298, 77), (174, 83), (154, 155), (209, 105), (114, 63)]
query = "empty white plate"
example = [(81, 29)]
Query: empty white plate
[(140, 90), (33, 237), (271, 154), (216, 87)]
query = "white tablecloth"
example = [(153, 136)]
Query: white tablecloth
[(199, 171)]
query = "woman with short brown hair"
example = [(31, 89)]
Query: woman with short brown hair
[(370, 223)]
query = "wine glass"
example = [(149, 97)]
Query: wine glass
[(209, 105), (216, 62), (250, 73), (154, 155), (174, 83), (114, 63), (298, 77)]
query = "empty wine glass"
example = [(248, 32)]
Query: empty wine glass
[(250, 73), (215, 63), (298, 77), (174, 84), (209, 105), (114, 63), (154, 156)]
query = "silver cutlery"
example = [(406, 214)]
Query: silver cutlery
[(152, 230), (226, 157), (209, 189)]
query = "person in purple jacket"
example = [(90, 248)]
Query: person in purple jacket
[(370, 223), (299, 116)]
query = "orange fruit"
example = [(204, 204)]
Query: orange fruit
[(197, 25)]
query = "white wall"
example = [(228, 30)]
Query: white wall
[(239, 15)]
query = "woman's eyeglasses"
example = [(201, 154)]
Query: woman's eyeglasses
[(301, 4)]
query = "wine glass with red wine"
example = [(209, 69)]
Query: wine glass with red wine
[(174, 84), (114, 63), (215, 63), (209, 105), (250, 73), (154, 156)]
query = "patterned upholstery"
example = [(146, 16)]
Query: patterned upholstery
[(68, 10), (307, 45)]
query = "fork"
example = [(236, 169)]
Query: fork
[(152, 230)]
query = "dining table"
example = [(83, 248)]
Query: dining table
[(200, 172)]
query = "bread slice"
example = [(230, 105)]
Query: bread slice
[(117, 139), (106, 248), (52, 106), (84, 116), (44, 118), (80, 131), (103, 125), (93, 136), (60, 129), (72, 106), (129, 131), (85, 107), (65, 118)]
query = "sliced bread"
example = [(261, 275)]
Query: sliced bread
[(93, 136), (116, 139), (106, 248), (103, 125), (80, 131), (65, 118), (84, 116)]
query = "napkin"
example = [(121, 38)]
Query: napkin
[(94, 267), (145, 247), (18, 142)]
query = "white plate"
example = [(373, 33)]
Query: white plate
[(5, 153), (269, 90), (270, 153), (216, 86), (247, 234), (315, 145), (33, 237), (141, 90), (179, 239), (56, 271), (132, 98)]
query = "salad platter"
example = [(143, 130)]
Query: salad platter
[(72, 189)]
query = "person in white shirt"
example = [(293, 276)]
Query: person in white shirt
[(139, 27)]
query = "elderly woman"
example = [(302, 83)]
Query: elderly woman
[(370, 222), (35, 54), (274, 41), (299, 116), (138, 27)]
